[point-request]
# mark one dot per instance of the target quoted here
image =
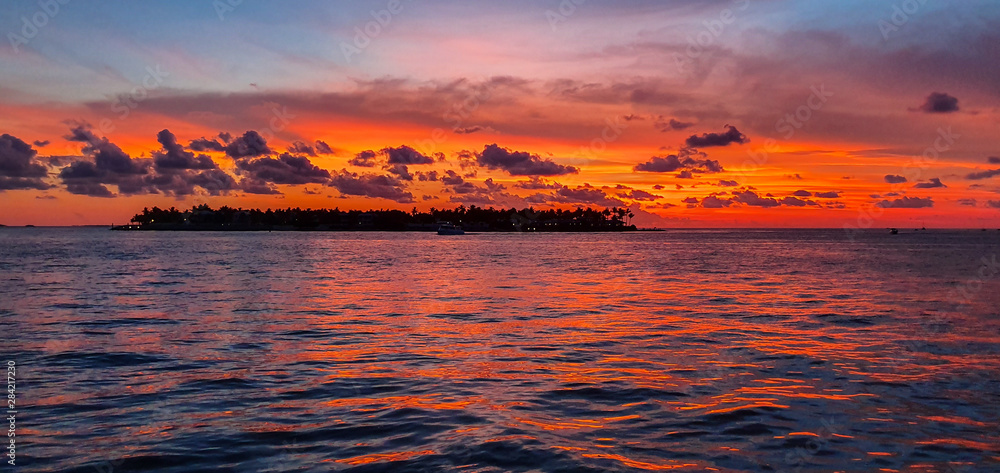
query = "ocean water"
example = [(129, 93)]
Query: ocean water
[(732, 351)]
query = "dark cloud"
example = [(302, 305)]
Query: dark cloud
[(892, 179), (300, 147), (520, 163), (107, 155), (323, 148), (938, 102), (42, 143), (967, 202), (793, 202), (685, 174), (671, 125), (683, 161), (204, 144), (250, 145), (364, 159), (431, 176), (173, 155), (978, 176), (399, 170), (258, 186), (995, 204), (749, 197), (451, 178), (488, 194), (828, 195), (536, 183), (469, 130), (285, 169), (406, 155), (907, 203), (371, 185), (640, 195), (933, 184), (19, 168), (713, 202), (707, 140), (802, 193), (993, 160), (724, 183)]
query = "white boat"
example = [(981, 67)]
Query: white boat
[(449, 229)]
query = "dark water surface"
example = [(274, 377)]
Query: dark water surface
[(689, 351)]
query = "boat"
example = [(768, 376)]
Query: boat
[(447, 228), (893, 231)]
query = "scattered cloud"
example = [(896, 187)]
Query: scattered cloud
[(934, 183), (520, 163), (707, 140), (938, 102)]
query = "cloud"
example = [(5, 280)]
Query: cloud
[(892, 179), (977, 176), (827, 195), (285, 169), (42, 143), (967, 202), (671, 125), (749, 197), (680, 162), (793, 202), (713, 202), (19, 168), (300, 147), (802, 193), (907, 203), (364, 159), (938, 102), (536, 183), (323, 148), (995, 204), (173, 155), (520, 163), (473, 129), (371, 185), (406, 155), (250, 145), (107, 155), (204, 144), (933, 184), (993, 160), (707, 140), (724, 183), (640, 195)]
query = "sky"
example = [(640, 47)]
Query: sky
[(712, 113)]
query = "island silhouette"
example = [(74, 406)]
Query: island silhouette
[(471, 218)]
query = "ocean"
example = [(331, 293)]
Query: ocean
[(686, 350)]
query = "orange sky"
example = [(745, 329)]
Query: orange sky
[(780, 119)]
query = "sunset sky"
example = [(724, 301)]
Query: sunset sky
[(728, 113)]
